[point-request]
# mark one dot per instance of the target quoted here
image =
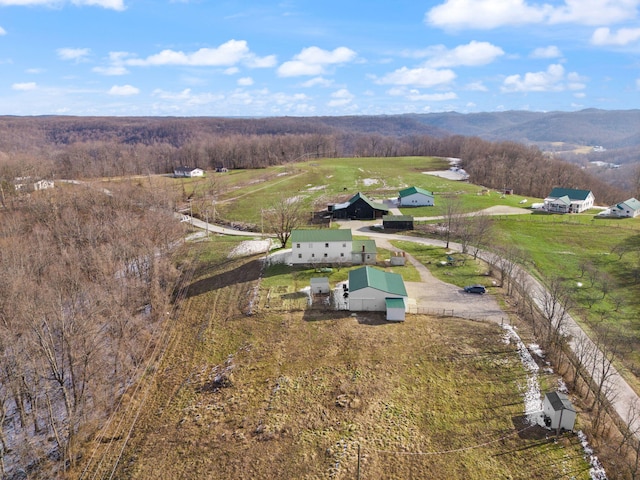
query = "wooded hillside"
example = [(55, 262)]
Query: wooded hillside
[(73, 147)]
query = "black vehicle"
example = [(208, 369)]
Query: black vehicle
[(475, 289)]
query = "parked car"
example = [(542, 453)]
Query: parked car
[(475, 289)]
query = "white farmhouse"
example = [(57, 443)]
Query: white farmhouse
[(188, 172), (374, 290), (629, 208), (568, 200), (321, 246), (415, 197)]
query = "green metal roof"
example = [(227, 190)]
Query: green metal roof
[(632, 203), (411, 190), (564, 199), (321, 235), (369, 246), (372, 204), (573, 194), (380, 280), (394, 303)]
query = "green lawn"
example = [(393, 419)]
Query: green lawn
[(579, 248)]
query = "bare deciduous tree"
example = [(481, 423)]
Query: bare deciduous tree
[(283, 216)]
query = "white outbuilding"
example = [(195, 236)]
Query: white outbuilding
[(374, 290), (558, 411), (188, 172), (415, 197)]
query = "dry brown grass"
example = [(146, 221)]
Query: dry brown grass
[(294, 395)]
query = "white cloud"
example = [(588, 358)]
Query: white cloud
[(226, 55), (484, 14), (594, 12), (488, 14), (113, 70), (340, 98), (24, 87), (314, 60), (2, 31), (318, 82), (551, 80), (546, 52), (416, 96), (124, 90), (472, 54), (188, 98), (418, 77), (108, 4), (245, 81), (476, 87), (75, 54), (624, 36)]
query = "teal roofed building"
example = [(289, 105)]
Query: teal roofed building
[(568, 200), (374, 290), (629, 208), (415, 197)]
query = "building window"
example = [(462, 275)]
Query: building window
[(299, 255), (326, 255), (344, 245), (342, 254), (313, 255), (297, 245), (326, 245)]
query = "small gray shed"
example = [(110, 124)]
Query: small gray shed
[(558, 411), (319, 285)]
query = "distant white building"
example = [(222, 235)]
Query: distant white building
[(415, 197), (568, 200), (189, 172), (28, 184), (629, 208)]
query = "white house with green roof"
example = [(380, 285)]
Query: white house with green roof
[(321, 246), (568, 200), (415, 197), (629, 208), (374, 290)]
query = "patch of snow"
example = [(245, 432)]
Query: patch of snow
[(283, 174), (250, 247), (292, 200), (596, 472), (313, 189), (562, 387), (369, 181), (578, 284), (532, 396), (535, 348)]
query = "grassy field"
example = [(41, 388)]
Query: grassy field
[(298, 394), (579, 248), (292, 392)]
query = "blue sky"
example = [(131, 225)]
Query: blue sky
[(308, 58)]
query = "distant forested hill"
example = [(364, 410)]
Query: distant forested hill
[(74, 147)]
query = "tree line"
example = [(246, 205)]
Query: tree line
[(70, 147), (86, 278)]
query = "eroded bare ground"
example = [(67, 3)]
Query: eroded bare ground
[(297, 395)]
